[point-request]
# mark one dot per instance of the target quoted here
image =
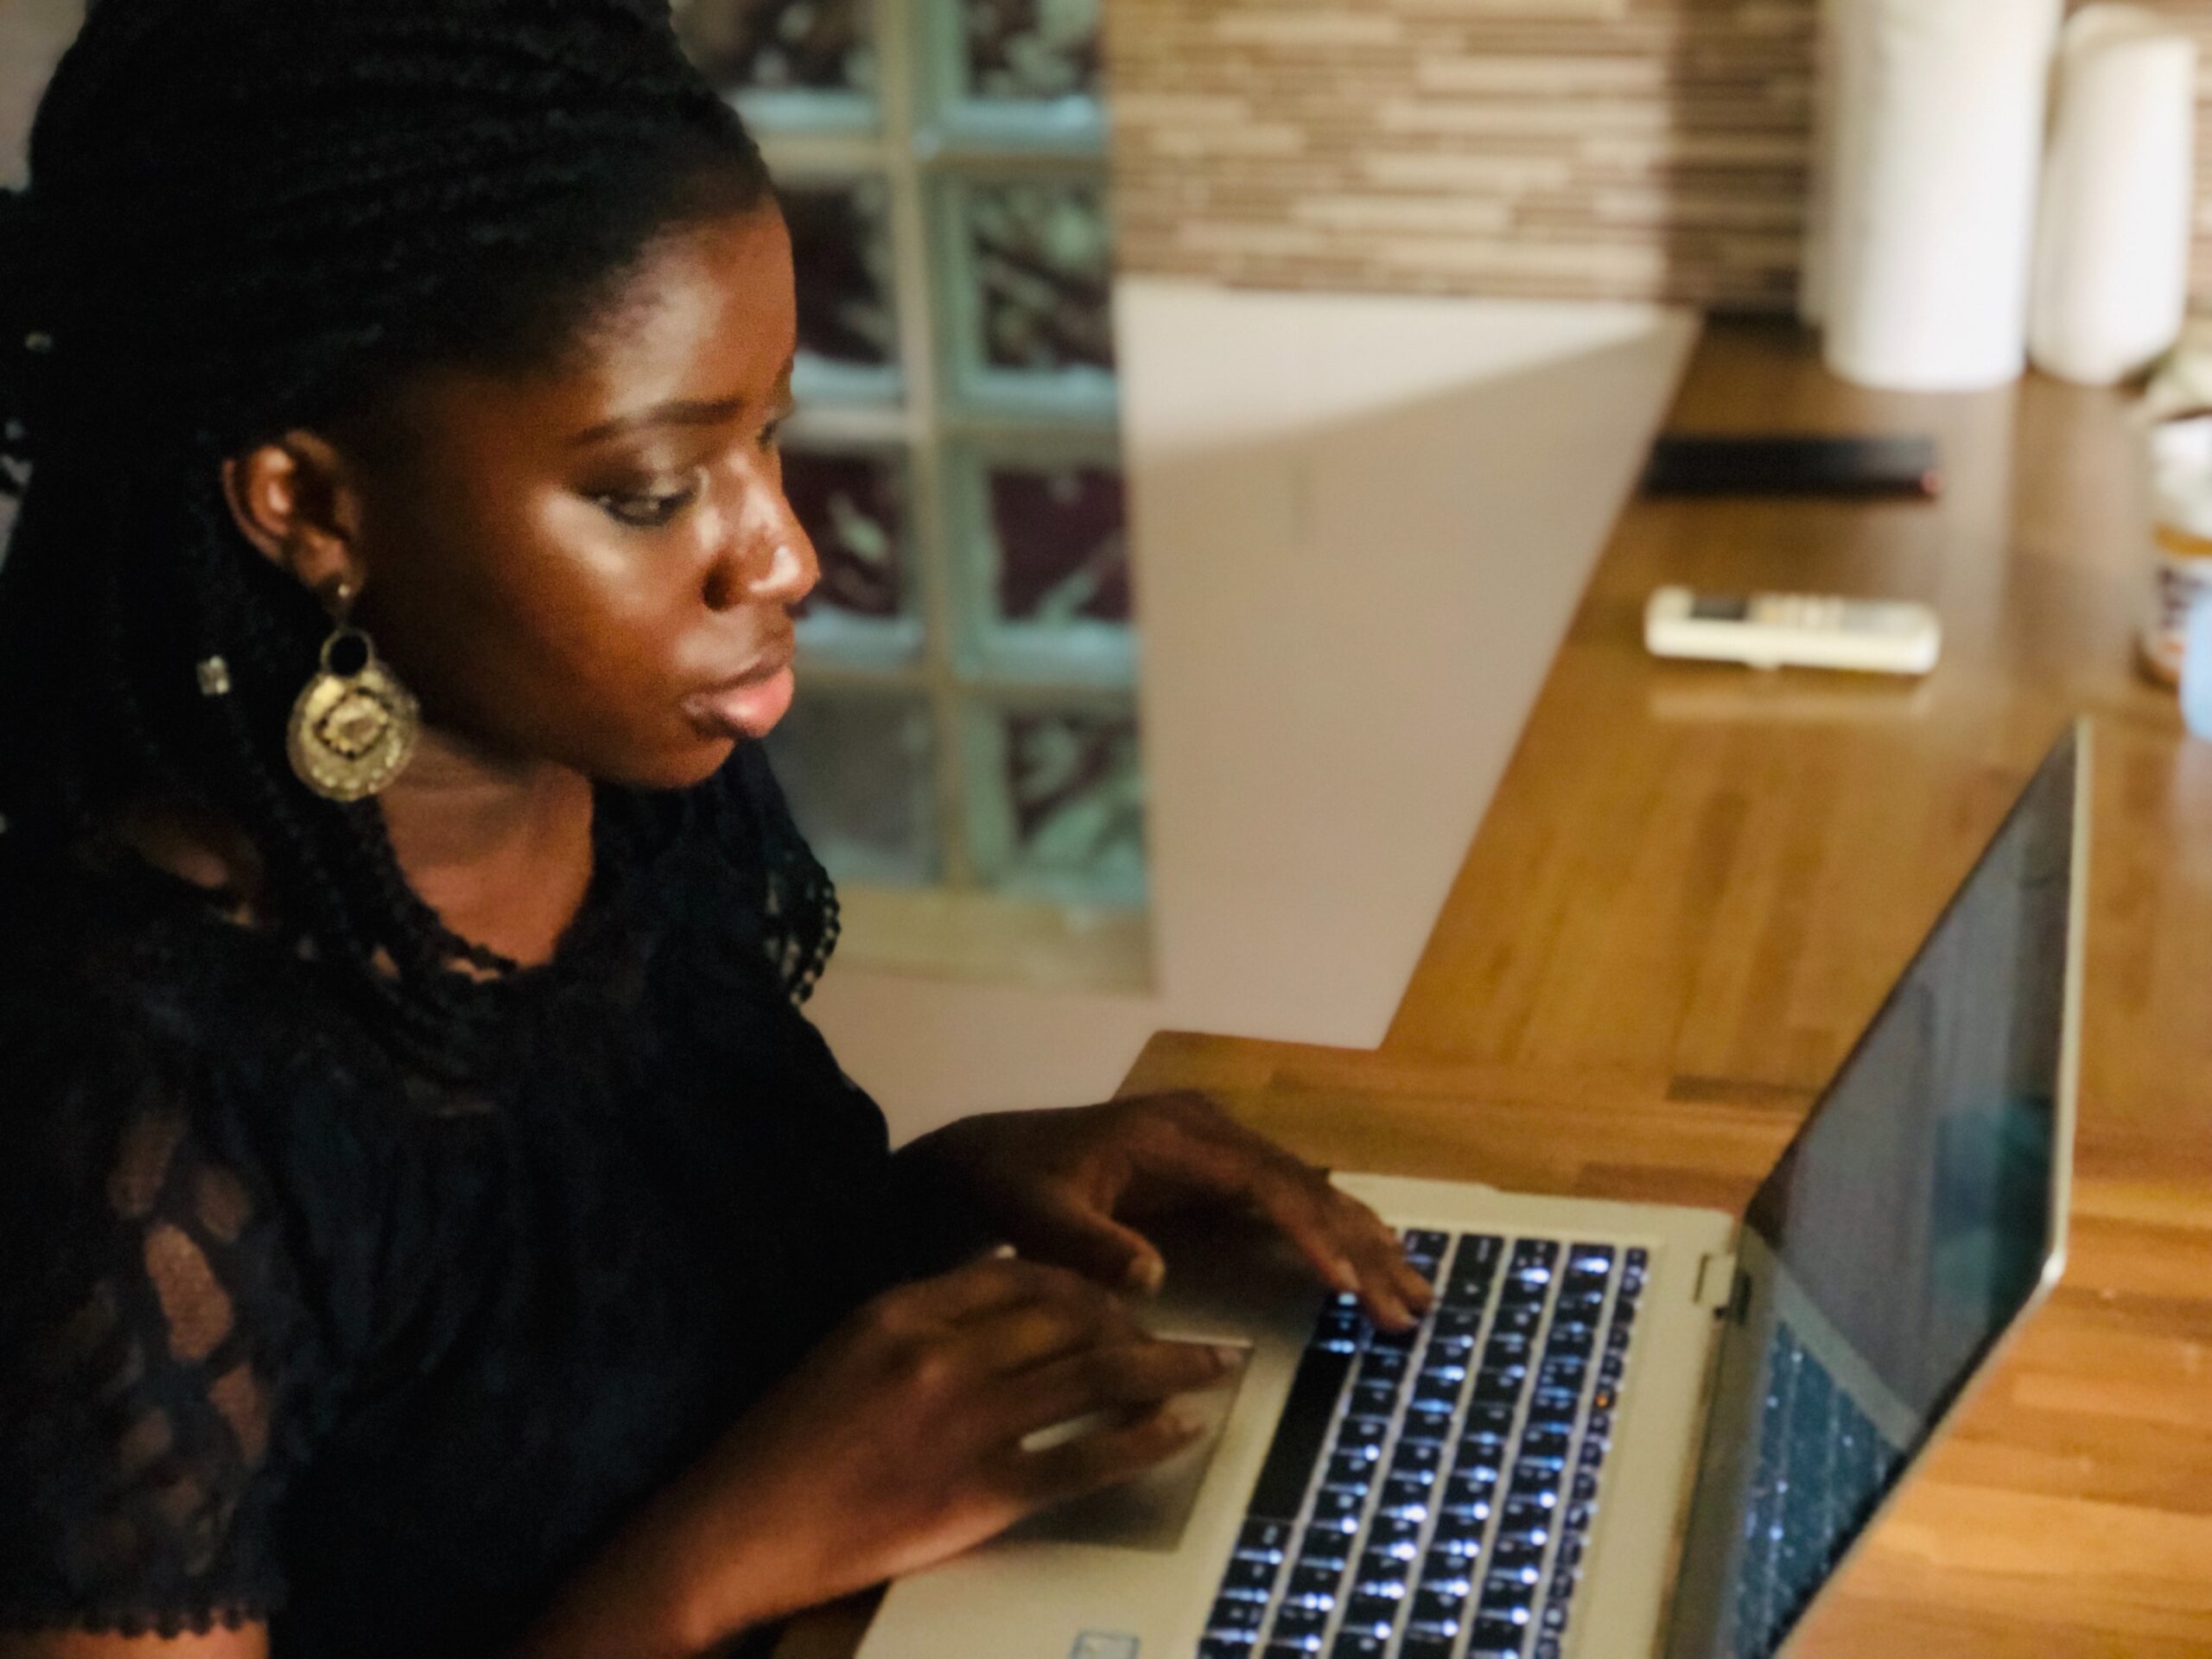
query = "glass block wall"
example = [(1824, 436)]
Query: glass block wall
[(966, 718)]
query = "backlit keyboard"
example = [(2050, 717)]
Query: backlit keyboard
[(1428, 1494)]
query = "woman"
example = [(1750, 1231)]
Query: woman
[(428, 1224)]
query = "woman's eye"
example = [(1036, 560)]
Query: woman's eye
[(649, 512), (770, 434)]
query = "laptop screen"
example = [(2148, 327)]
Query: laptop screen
[(1907, 1226)]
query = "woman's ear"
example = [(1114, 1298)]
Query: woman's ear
[(294, 499)]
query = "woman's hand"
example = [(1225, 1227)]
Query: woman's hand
[(1062, 1185), (895, 1444)]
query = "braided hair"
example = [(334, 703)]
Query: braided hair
[(246, 216)]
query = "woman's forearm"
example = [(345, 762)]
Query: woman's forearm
[(624, 1605), (671, 1584)]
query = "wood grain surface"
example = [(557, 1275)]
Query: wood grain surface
[(1695, 886)]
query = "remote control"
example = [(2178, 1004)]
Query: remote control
[(1793, 630)]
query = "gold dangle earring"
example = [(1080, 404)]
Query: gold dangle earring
[(354, 725)]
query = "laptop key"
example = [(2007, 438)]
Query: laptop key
[(1416, 1456), (1456, 1322), (1488, 1420), (1263, 1539), (1458, 1542), (1396, 1538), (1250, 1581), (1425, 1428), (1330, 1560), (1340, 1509), (1382, 1573), (1222, 1647), (1544, 1443), (1301, 1432), (1358, 1432), (1372, 1397), (1371, 1615), (1301, 1625), (1498, 1638), (1351, 1471), (1233, 1617), (1382, 1364), (1440, 1603)]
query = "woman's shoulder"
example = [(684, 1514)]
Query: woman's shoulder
[(124, 1002)]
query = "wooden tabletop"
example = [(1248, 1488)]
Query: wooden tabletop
[(1696, 883)]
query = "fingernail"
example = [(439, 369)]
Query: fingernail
[(1182, 1425), (1228, 1356), (1147, 1274), (1344, 1277)]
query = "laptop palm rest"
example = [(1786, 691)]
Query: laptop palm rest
[(1151, 1511)]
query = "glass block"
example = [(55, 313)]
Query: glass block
[(847, 306), (1059, 542), (1063, 816), (781, 45), (1032, 50), (854, 506), (856, 765), (1040, 263)]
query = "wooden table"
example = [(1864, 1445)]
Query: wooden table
[(1694, 887)]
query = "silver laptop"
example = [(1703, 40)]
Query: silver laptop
[(1625, 1430)]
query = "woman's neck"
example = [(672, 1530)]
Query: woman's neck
[(502, 851)]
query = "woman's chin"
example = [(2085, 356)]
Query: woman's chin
[(683, 767)]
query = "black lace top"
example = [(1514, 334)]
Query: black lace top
[(288, 1333)]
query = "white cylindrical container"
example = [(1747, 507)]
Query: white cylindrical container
[(1933, 191), (2119, 187)]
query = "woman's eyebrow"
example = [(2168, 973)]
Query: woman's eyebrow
[(682, 412)]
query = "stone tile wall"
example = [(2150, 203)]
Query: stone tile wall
[(1643, 148)]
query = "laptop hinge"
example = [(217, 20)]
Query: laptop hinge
[(1716, 1282)]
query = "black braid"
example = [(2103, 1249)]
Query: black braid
[(249, 215)]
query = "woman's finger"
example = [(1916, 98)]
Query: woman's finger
[(1085, 1239), (1106, 1457), (1032, 1334), (1379, 1252), (1115, 1377), (1349, 1247), (982, 1288)]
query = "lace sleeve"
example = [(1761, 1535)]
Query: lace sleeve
[(152, 1351), (800, 919)]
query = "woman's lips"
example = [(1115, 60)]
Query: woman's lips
[(748, 710)]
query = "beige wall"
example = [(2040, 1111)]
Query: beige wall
[(32, 36), (1605, 148)]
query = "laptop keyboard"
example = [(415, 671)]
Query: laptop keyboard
[(1822, 1466), (1428, 1494)]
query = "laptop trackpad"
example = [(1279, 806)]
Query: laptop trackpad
[(1150, 1512)]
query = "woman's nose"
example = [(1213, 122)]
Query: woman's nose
[(773, 561), (790, 572)]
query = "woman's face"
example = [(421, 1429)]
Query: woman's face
[(598, 569)]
